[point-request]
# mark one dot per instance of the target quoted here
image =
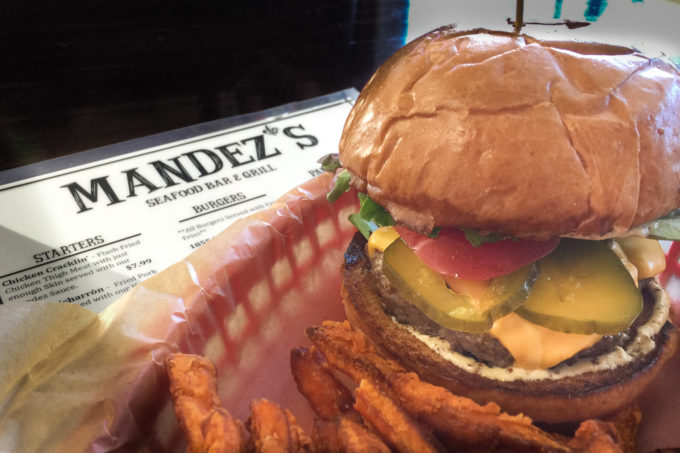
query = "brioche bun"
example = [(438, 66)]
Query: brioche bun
[(573, 393), (491, 131)]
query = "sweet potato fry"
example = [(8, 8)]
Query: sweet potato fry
[(300, 440), (462, 422), (350, 351), (594, 436), (626, 424), (355, 438), (193, 388), (392, 423), (274, 429), (325, 436), (327, 396), (614, 435), (345, 435), (223, 433), (207, 425)]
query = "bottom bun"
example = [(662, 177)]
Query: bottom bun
[(568, 393)]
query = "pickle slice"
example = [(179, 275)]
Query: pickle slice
[(427, 290), (583, 288)]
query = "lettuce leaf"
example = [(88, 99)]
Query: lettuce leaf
[(370, 217), (341, 186)]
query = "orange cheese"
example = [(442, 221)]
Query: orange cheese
[(536, 347), (380, 239)]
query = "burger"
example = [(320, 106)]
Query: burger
[(513, 193)]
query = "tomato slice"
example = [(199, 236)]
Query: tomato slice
[(451, 254)]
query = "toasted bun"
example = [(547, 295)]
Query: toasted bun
[(510, 134), (555, 400)]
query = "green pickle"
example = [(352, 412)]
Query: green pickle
[(428, 291), (583, 288)]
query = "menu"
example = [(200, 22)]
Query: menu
[(87, 228)]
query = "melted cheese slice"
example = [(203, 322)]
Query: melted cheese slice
[(536, 347), (380, 239)]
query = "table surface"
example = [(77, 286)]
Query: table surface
[(82, 74)]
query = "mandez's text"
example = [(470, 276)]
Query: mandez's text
[(183, 169)]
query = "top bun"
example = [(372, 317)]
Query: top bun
[(505, 133)]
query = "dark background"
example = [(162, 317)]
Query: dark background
[(82, 74)]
